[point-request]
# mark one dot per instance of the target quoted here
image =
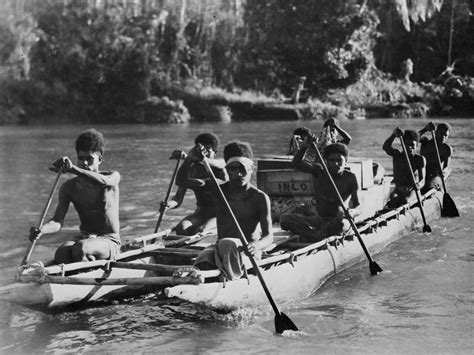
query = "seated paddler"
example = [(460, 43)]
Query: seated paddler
[(251, 208), (95, 195), (329, 218)]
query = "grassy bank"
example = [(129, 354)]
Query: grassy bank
[(26, 102)]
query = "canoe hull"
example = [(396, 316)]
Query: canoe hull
[(288, 281), (55, 295)]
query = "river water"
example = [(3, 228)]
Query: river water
[(421, 303)]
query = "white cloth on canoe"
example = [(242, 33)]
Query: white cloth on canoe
[(226, 255)]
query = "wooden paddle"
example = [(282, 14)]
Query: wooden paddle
[(374, 267), (426, 227), (282, 322), (43, 216), (449, 207), (162, 210)]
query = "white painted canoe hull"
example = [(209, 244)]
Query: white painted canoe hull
[(288, 282)]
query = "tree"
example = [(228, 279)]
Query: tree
[(416, 10)]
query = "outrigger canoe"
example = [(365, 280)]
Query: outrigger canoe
[(161, 263)]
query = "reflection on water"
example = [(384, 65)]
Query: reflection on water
[(422, 302)]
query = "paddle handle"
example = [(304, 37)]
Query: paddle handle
[(168, 193), (417, 192), (438, 157), (341, 202), (242, 238), (41, 221)]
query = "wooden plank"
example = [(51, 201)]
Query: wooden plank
[(68, 280)]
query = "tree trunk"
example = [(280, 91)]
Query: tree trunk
[(451, 31)]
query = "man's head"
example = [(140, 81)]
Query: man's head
[(90, 147), (442, 132), (336, 155), (239, 162), (302, 132), (210, 142), (410, 138)]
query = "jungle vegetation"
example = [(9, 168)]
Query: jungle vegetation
[(176, 60)]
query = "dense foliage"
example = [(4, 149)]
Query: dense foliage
[(106, 60)]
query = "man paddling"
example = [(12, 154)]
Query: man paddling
[(192, 175), (251, 208), (329, 218), (428, 150), (95, 196), (402, 176)]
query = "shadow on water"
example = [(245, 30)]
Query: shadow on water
[(132, 320)]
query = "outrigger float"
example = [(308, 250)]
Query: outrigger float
[(161, 262)]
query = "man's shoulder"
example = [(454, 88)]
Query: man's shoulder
[(348, 175), (446, 147), (395, 153), (419, 159), (256, 193), (424, 140), (69, 186)]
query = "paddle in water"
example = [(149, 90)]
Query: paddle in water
[(168, 193), (41, 221), (449, 207), (282, 321), (426, 227), (374, 267)]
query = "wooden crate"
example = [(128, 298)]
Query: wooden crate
[(363, 170), (285, 182)]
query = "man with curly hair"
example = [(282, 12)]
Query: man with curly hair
[(95, 196)]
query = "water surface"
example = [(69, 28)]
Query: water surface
[(421, 303)]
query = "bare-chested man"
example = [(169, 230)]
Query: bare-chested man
[(428, 150), (95, 196), (329, 218), (192, 175), (251, 208), (402, 176)]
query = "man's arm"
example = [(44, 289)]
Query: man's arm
[(387, 145), (346, 138), (105, 179), (265, 223), (298, 161), (354, 209), (175, 201), (421, 172), (447, 160), (429, 127), (182, 177), (216, 163), (54, 224)]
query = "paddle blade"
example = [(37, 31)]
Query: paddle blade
[(426, 229), (375, 268), (282, 323), (449, 207)]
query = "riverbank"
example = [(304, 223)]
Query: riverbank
[(29, 102)]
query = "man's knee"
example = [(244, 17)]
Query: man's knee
[(186, 227), (286, 221), (338, 226), (204, 265), (63, 255), (79, 252)]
